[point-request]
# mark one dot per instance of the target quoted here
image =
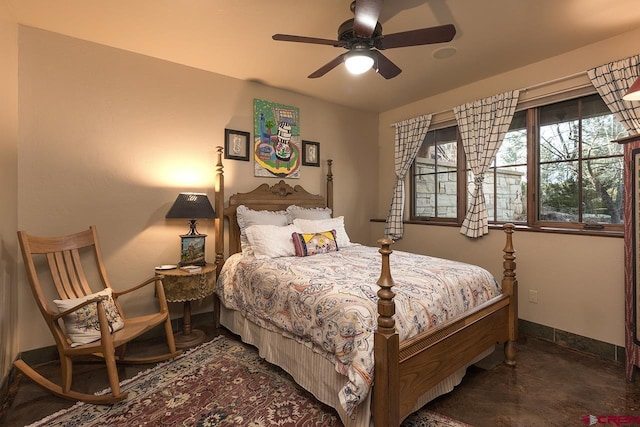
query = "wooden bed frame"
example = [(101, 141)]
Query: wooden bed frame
[(403, 370)]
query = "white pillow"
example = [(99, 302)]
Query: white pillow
[(321, 225), (248, 217), (82, 325), (272, 241), (308, 213)]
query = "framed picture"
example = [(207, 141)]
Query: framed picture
[(236, 145), (192, 252), (310, 153)]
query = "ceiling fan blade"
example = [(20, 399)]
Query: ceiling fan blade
[(431, 35), (302, 39), (366, 16), (386, 68), (327, 67)]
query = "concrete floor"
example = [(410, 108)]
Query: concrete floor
[(551, 386)]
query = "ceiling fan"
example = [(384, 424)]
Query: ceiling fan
[(362, 37)]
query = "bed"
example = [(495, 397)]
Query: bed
[(332, 357)]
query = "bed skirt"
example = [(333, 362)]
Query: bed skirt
[(314, 372)]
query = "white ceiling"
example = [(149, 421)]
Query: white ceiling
[(233, 37)]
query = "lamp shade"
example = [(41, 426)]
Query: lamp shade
[(633, 94), (358, 61), (192, 206)]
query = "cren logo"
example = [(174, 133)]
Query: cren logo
[(617, 420), (589, 420)]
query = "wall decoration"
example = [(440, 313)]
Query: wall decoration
[(236, 144), (276, 140), (310, 153)]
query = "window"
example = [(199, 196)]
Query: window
[(556, 168), (580, 169), (435, 176), (505, 183)]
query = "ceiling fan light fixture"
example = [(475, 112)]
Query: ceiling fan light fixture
[(633, 94), (358, 61)]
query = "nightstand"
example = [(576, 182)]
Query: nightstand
[(183, 286)]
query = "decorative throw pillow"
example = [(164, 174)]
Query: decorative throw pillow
[(308, 213), (248, 217), (314, 243), (318, 225), (82, 325), (271, 241)]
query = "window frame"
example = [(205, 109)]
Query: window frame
[(492, 170), (533, 180), (461, 192), (534, 221)]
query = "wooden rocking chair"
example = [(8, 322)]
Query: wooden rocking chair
[(99, 324)]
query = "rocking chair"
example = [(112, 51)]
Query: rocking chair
[(82, 321)]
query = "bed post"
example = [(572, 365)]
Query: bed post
[(329, 185), (219, 229), (386, 395), (510, 287)]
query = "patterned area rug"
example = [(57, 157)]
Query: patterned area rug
[(221, 382)]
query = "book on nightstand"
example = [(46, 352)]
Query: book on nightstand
[(191, 268)]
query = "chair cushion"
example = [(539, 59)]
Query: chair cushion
[(82, 325)]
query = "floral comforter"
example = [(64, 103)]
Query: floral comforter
[(329, 300)]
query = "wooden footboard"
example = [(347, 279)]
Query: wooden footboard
[(404, 371)]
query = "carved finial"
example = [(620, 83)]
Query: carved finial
[(219, 166), (386, 306), (509, 263), (329, 185)]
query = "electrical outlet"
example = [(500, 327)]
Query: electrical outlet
[(533, 296)]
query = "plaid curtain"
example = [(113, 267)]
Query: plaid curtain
[(483, 125), (410, 134), (612, 81)]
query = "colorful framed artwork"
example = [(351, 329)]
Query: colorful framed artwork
[(236, 144), (276, 140), (310, 153), (192, 252)]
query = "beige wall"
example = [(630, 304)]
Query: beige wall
[(8, 187), (109, 137), (579, 279)]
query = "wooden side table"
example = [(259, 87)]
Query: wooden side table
[(183, 286)]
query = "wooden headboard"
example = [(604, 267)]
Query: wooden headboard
[(265, 197)]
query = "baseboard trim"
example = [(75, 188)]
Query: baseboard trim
[(536, 330), (547, 333), (573, 341), (50, 353), (5, 391)]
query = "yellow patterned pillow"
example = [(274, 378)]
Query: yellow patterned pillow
[(307, 244)]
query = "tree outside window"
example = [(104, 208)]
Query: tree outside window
[(580, 168)]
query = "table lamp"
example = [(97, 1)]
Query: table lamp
[(192, 206)]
